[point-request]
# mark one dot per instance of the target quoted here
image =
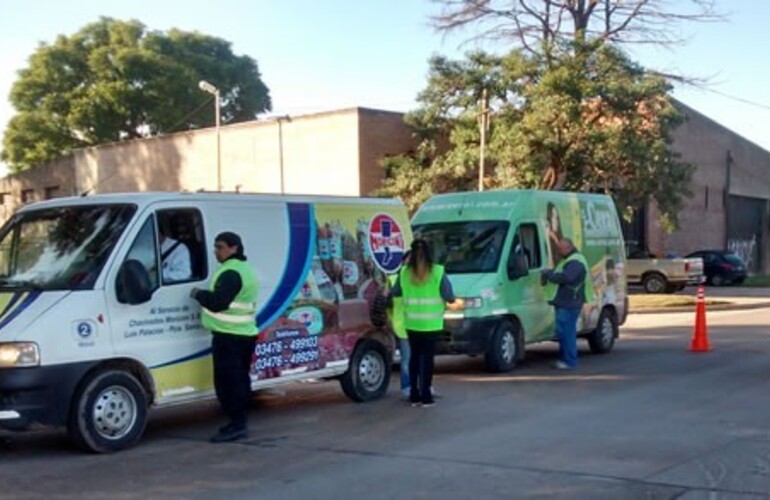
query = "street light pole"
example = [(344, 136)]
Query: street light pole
[(483, 128), (207, 87), (280, 120)]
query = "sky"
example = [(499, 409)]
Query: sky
[(318, 55)]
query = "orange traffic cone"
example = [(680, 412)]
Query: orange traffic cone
[(700, 339)]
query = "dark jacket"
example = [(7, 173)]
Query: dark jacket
[(571, 280)]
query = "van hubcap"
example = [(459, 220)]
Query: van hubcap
[(114, 412), (607, 331), (371, 370), (508, 347)]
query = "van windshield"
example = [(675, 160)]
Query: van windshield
[(61, 248), (465, 247)]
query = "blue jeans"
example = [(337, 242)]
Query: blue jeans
[(566, 332), (403, 347)]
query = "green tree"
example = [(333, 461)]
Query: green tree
[(582, 120), (115, 80)]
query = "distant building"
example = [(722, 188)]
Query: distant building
[(339, 153), (730, 207), (336, 153)]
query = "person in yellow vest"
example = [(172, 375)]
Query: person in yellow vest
[(425, 290), (229, 310), (567, 288), (397, 323)]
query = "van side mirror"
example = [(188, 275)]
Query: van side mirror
[(133, 283), (518, 267)]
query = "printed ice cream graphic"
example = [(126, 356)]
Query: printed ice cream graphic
[(386, 242)]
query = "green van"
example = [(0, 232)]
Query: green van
[(494, 244)]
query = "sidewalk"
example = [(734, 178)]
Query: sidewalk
[(737, 298)]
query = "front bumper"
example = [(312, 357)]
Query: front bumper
[(38, 395), (467, 335)]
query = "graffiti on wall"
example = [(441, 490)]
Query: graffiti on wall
[(744, 249)]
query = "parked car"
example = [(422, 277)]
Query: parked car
[(662, 275), (721, 267)]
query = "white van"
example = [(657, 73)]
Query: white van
[(93, 332)]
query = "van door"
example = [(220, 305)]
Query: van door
[(154, 320), (525, 293)]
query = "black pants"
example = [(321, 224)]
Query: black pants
[(423, 347), (232, 360)]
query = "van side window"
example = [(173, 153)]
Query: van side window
[(182, 246), (527, 242), (142, 254)]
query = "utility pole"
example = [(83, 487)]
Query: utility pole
[(483, 129)]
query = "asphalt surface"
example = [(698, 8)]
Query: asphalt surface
[(649, 420)]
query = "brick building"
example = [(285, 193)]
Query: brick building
[(335, 153), (339, 152)]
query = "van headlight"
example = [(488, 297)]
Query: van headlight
[(19, 354), (472, 302)]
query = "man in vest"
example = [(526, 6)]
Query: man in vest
[(574, 289), (229, 310)]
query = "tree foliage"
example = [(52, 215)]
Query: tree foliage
[(569, 110), (115, 80), (587, 119)]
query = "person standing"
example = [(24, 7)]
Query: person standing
[(567, 288), (397, 323), (229, 310), (426, 291)]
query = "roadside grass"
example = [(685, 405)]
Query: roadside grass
[(758, 281), (648, 301)]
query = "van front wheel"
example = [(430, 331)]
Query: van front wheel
[(368, 373), (109, 412), (503, 351)]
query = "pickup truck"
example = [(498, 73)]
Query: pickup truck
[(658, 275)]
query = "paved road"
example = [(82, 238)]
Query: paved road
[(650, 420)]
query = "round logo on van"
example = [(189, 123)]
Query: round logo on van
[(310, 316), (386, 242)]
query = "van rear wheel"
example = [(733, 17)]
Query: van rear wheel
[(368, 374), (109, 412), (503, 351), (602, 339)]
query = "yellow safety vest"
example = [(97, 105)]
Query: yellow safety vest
[(423, 305), (550, 288), (396, 313), (240, 318)]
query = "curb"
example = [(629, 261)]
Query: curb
[(714, 307)]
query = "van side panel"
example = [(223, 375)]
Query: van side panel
[(350, 251)]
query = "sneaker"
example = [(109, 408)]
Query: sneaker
[(405, 394), (225, 428), (561, 365), (428, 404), (435, 393), (232, 434)]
